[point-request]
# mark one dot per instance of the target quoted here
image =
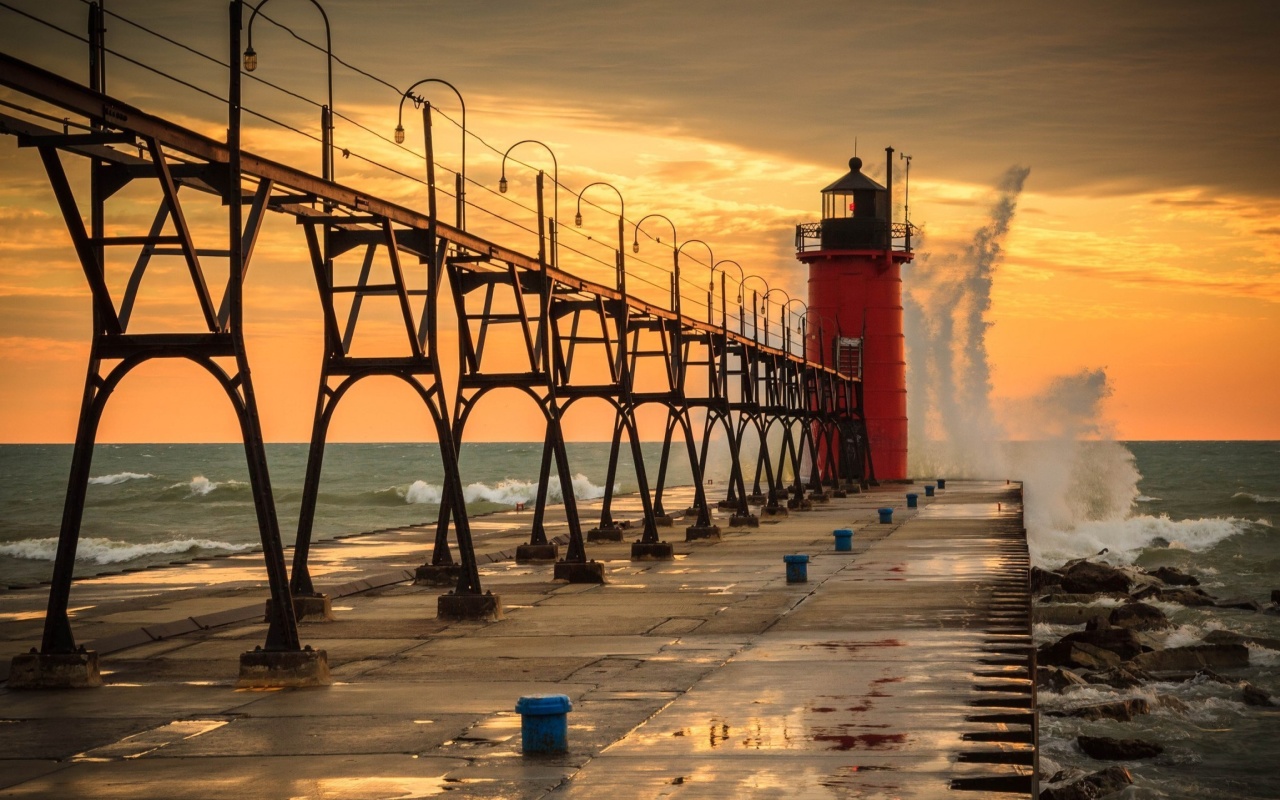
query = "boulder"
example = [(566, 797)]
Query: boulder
[(1124, 642), (1139, 617), (1065, 614), (1172, 703), (1099, 784), (1119, 710), (1065, 653), (1042, 579), (1057, 679), (1183, 596), (1242, 603), (1174, 576), (1194, 657), (1108, 749), (1085, 598), (1253, 696), (1231, 637), (1118, 678), (1088, 577), (1210, 675)]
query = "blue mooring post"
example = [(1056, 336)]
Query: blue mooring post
[(844, 540), (886, 515), (942, 483), (797, 568), (928, 490), (913, 500), (544, 723)]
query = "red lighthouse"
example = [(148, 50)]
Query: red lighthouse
[(855, 255)]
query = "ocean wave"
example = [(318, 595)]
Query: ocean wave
[(200, 486), (504, 493), (119, 477), (1142, 498), (1124, 539), (1256, 498), (110, 551)]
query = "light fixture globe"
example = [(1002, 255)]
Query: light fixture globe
[(250, 60), (502, 184), (577, 219), (399, 134), (635, 247)]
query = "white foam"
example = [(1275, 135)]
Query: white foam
[(119, 477), (1124, 539), (200, 486), (1142, 498), (110, 551), (1257, 498), (506, 492)]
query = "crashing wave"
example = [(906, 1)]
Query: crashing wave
[(110, 551), (119, 477), (504, 493)]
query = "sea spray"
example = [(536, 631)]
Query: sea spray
[(506, 492)]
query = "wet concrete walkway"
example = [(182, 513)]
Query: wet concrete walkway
[(898, 670)]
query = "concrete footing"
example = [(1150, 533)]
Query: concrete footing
[(613, 534), (55, 670), (437, 574), (696, 533), (280, 669), (839, 494), (727, 504), (774, 511), (819, 497), (312, 607), (537, 553), (692, 511), (744, 521), (664, 520), (485, 607), (757, 499), (579, 571), (652, 551), (799, 504)]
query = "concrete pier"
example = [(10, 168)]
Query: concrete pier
[(900, 669)]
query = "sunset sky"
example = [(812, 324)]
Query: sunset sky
[(1146, 242)]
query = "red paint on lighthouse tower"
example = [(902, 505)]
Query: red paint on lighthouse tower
[(854, 257)]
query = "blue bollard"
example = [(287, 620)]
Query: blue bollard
[(544, 723), (886, 515), (913, 500), (942, 483), (797, 568), (844, 540), (928, 490)]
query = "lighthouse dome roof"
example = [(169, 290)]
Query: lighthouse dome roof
[(855, 180)]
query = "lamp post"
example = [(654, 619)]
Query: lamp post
[(675, 256), (621, 266), (555, 202), (764, 301), (326, 113), (804, 343), (755, 306), (711, 259), (711, 288), (460, 193)]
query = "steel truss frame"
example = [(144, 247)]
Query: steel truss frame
[(560, 318)]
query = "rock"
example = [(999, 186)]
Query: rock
[(1231, 637), (1124, 642), (1065, 614), (1119, 710), (1118, 678), (1183, 596), (1210, 675), (1242, 603), (1085, 598), (1090, 787), (1106, 748), (1275, 596), (1042, 579), (1172, 703), (1086, 576), (1057, 679), (1174, 576), (1253, 696), (1097, 622), (1139, 617), (1194, 657), (1139, 579), (1065, 653)]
